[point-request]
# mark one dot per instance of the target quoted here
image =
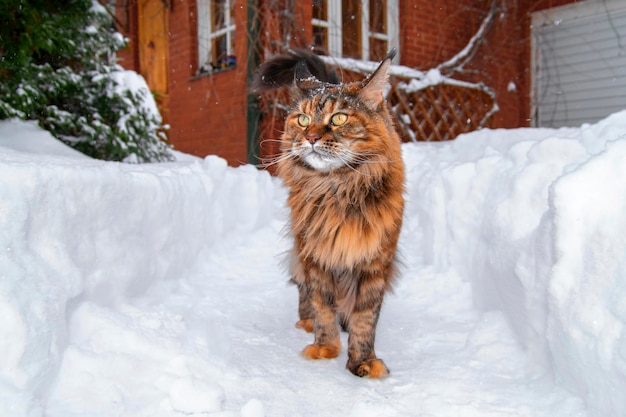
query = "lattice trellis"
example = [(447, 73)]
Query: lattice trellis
[(440, 112)]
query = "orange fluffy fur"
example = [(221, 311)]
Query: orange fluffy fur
[(345, 176)]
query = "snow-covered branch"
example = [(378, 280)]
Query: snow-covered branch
[(458, 62), (413, 80)]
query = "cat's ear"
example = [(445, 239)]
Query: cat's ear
[(372, 87), (304, 80)]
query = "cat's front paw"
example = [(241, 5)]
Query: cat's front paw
[(374, 368), (306, 325), (321, 351)]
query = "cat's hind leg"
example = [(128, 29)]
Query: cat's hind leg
[(306, 325), (305, 309)]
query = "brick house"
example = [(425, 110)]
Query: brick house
[(198, 56)]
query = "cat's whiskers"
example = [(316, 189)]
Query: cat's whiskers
[(268, 161), (270, 141), (367, 157), (274, 160), (349, 165)]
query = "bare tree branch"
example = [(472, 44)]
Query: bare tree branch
[(458, 62)]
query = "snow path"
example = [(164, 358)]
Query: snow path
[(446, 359)]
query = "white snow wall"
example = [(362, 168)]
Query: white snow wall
[(74, 229), (535, 219)]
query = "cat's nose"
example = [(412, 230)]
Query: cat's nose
[(312, 137)]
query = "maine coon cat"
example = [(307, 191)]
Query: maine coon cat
[(341, 159)]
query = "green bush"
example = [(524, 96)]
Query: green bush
[(57, 66)]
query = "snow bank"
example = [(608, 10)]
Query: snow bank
[(74, 230), (534, 219)]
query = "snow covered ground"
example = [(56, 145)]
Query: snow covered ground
[(156, 290)]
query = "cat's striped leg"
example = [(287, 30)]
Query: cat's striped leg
[(362, 360), (327, 344)]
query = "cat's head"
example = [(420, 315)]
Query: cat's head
[(332, 126)]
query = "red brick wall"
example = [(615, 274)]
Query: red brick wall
[(207, 112), (504, 65), (434, 31), (126, 14)]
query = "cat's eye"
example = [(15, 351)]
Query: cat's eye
[(304, 120), (338, 119)]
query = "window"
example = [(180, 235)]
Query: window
[(361, 29), (216, 35)]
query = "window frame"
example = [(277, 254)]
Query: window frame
[(207, 62), (333, 26)]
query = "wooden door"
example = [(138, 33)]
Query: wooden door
[(154, 50)]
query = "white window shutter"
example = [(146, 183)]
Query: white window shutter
[(579, 63)]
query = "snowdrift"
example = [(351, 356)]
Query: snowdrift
[(532, 219), (73, 230)]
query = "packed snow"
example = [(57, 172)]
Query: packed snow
[(157, 290)]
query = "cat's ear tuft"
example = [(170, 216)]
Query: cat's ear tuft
[(372, 88)]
